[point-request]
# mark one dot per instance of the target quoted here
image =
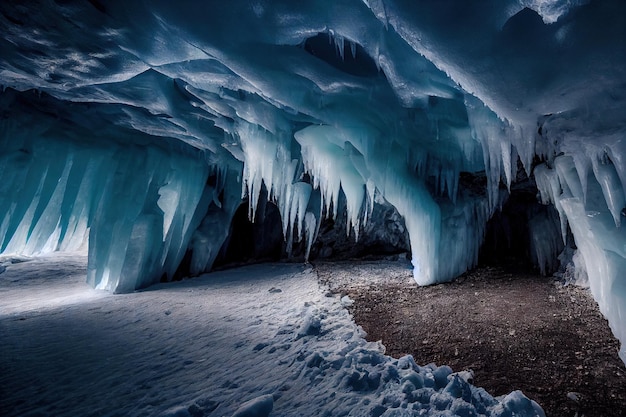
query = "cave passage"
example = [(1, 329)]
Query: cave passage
[(253, 241), (524, 234)]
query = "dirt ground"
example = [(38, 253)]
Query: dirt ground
[(514, 330)]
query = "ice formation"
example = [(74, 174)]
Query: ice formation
[(137, 127), (67, 193)]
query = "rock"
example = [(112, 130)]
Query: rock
[(574, 396)]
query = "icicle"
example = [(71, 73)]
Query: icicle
[(332, 171), (506, 162), (353, 48), (300, 200), (569, 178), (582, 163), (617, 153), (263, 157), (550, 188), (369, 208), (525, 145), (312, 220), (611, 186), (310, 224), (340, 45), (495, 139)]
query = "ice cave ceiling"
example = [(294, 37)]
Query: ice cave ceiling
[(135, 128)]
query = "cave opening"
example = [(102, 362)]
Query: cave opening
[(252, 241), (507, 236), (523, 234), (344, 55)]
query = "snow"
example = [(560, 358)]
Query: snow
[(264, 340), (256, 407)]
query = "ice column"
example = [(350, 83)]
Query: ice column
[(143, 222), (598, 235), (333, 163), (221, 198), (45, 194)]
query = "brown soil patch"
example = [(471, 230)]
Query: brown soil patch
[(515, 330)]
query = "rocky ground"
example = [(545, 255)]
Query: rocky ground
[(512, 328)]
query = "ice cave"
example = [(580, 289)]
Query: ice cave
[(146, 134)]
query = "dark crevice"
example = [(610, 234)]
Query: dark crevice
[(251, 242), (359, 63), (509, 237)]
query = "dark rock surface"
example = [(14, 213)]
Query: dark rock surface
[(513, 329), (383, 235)]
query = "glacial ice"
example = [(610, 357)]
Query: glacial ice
[(599, 238), (135, 129), (60, 194)]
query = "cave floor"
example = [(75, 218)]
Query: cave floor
[(514, 329), (198, 341)]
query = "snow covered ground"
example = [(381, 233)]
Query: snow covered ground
[(255, 341)]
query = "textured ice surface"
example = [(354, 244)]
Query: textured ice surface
[(599, 238), (308, 103), (256, 341), (133, 204)]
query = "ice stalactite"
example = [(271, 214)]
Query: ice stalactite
[(332, 169), (134, 205), (598, 235), (268, 162), (496, 146)]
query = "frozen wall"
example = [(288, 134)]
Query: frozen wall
[(144, 217), (594, 213), (133, 206), (394, 98)]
